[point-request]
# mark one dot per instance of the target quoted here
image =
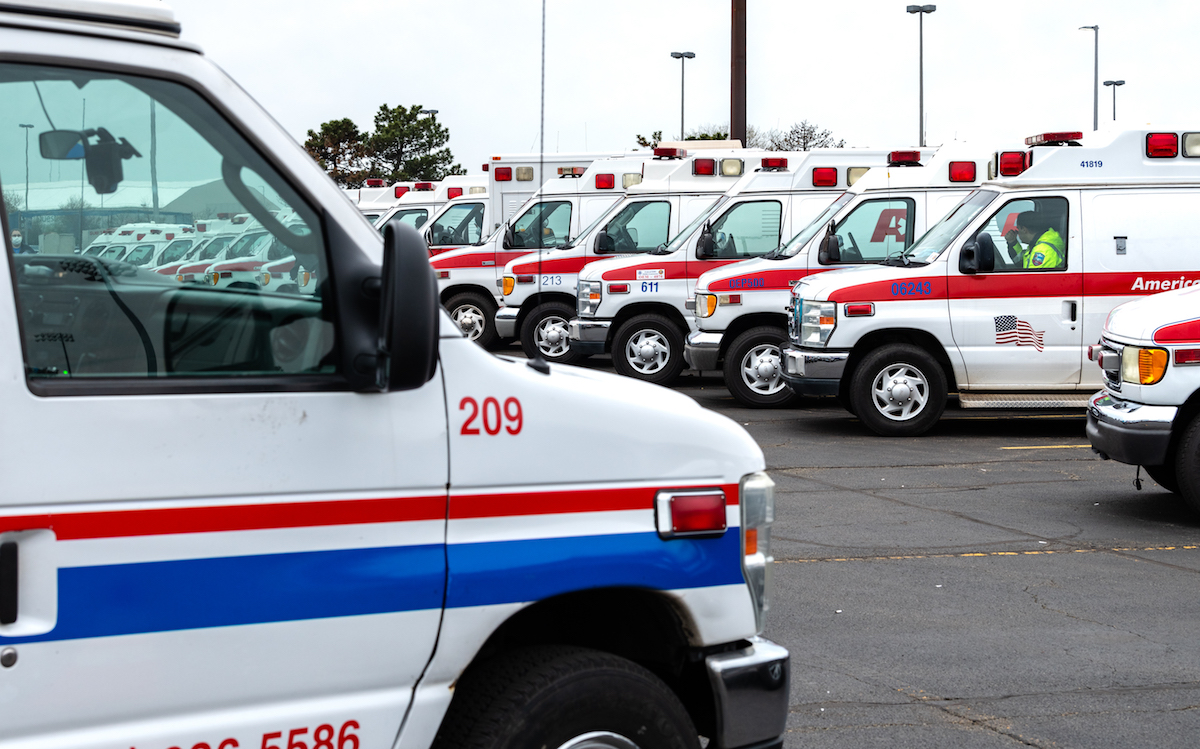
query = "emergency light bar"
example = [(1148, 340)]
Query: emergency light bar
[(453, 193), (898, 158), (606, 181), (962, 171), (400, 190), (704, 167), (773, 163), (1012, 163), (1047, 139), (1162, 145), (503, 174), (374, 183), (825, 176), (423, 186), (670, 153)]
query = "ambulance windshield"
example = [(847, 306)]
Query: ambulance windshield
[(940, 235), (796, 243)]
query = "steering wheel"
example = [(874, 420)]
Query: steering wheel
[(622, 241)]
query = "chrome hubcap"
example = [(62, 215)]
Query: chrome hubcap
[(900, 392), (761, 367), (469, 320), (599, 740), (551, 337), (648, 351)]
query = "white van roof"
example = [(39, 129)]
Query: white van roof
[(131, 15), (956, 165), (1131, 157)]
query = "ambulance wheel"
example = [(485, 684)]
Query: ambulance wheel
[(545, 332), (559, 697), (1187, 465), (898, 390), (650, 348), (1164, 476), (754, 368), (475, 316)]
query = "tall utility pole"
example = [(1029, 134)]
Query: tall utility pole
[(921, 10), (682, 57), (737, 73), (1096, 83), (25, 210)]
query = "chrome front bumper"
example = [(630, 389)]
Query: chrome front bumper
[(506, 321), (813, 372), (588, 336), (1130, 432), (702, 350), (750, 687)]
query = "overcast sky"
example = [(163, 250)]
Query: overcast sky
[(994, 71)]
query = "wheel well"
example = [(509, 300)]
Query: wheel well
[(644, 626), (877, 338), (1188, 411), (745, 322), (464, 288), (647, 308), (546, 296)]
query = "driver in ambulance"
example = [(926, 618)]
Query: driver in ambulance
[(1046, 253)]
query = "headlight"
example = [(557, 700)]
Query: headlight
[(706, 304), (757, 503), (817, 320), (510, 283), (1143, 365), (588, 293)]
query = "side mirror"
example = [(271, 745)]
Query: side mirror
[(978, 255), (831, 250), (429, 236), (509, 237), (59, 145), (603, 243), (706, 246), (408, 312)]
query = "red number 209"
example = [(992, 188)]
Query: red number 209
[(493, 418)]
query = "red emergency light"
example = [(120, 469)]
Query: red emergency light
[(423, 186), (962, 171), (487, 167), (374, 183), (825, 176), (170, 236), (896, 158), (199, 227), (453, 193), (503, 174), (1012, 163), (606, 181), (704, 167), (1162, 145), (670, 153), (774, 162), (1044, 139), (140, 237), (400, 190)]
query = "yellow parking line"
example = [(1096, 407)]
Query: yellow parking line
[(1044, 447)]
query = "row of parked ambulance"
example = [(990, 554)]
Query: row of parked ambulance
[(723, 259)]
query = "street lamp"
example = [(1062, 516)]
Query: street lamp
[(428, 111), (25, 212), (921, 10), (681, 56), (1096, 84), (1114, 85)]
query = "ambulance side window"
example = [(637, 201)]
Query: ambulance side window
[(1029, 234), (414, 217), (460, 224), (157, 166), (747, 230), (543, 225), (639, 227), (876, 230)]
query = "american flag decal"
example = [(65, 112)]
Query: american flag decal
[(1011, 330)]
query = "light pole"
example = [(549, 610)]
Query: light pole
[(921, 10), (681, 56), (1114, 85), (1096, 84), (25, 212), (428, 111)]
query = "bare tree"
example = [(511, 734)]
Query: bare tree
[(803, 136)]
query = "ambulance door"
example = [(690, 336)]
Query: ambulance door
[(748, 229), (218, 543), (1019, 324)]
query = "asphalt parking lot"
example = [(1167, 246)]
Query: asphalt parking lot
[(992, 584)]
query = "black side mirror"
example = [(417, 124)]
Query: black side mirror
[(978, 255), (510, 237), (603, 242), (59, 145), (408, 311), (706, 246), (831, 250)]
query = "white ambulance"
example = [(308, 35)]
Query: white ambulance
[(671, 191), (461, 222), (741, 308), (377, 197), (469, 277), (426, 198), (997, 301), (366, 557), (640, 308)]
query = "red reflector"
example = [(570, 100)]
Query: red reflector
[(226, 274), (1162, 145), (443, 274), (618, 288), (374, 183), (860, 310), (774, 162), (698, 513), (904, 157), (735, 299), (525, 279), (1187, 356), (825, 176), (453, 193), (400, 190), (704, 166), (503, 174), (486, 167), (1063, 137), (605, 181), (1012, 163), (962, 171), (423, 186), (669, 153)]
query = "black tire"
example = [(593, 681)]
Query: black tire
[(661, 357), (1187, 465), (1164, 476), (539, 329), (475, 315), (546, 696), (754, 368), (898, 390)]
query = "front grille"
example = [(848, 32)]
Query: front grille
[(1112, 380)]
